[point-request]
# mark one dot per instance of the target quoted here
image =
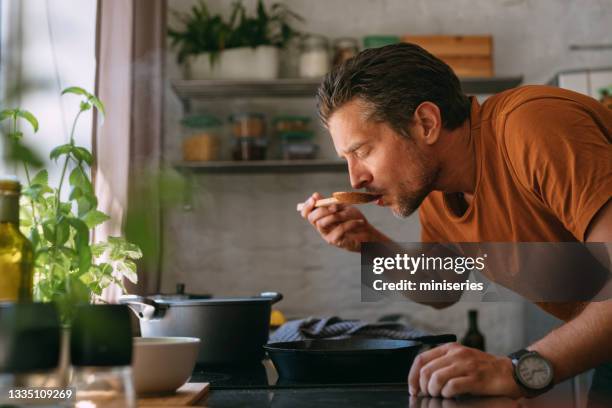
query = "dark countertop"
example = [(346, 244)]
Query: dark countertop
[(339, 397)]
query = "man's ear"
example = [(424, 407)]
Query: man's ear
[(427, 117)]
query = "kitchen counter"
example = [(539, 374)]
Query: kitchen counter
[(379, 396)]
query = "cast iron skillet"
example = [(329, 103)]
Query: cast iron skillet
[(354, 360)]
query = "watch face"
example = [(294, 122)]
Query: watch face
[(534, 372)]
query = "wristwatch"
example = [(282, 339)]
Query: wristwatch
[(532, 372)]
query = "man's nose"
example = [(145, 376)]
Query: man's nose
[(359, 176)]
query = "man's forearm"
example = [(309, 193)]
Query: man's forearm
[(580, 344)]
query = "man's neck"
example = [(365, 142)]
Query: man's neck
[(457, 160)]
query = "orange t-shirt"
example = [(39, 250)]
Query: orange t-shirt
[(544, 169)]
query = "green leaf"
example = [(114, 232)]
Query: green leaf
[(94, 218), (82, 154), (33, 191), (85, 106), (76, 90), (19, 152), (98, 249), (128, 270), (7, 113), (81, 241), (30, 118), (75, 194), (42, 178), (60, 150), (49, 230), (78, 178), (84, 205), (98, 104), (62, 232)]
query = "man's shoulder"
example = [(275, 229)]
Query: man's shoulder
[(537, 115), (510, 101)]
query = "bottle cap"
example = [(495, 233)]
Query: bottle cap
[(101, 335), (29, 337)]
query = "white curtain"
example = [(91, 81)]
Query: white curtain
[(130, 49)]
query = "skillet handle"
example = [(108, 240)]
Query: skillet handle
[(144, 308), (437, 340), (429, 342), (273, 296)]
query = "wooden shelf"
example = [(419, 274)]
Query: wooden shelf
[(263, 166), (307, 88)]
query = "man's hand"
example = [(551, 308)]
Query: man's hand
[(341, 225), (452, 369)]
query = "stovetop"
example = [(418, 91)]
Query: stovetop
[(259, 375)]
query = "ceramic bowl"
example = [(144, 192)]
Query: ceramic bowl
[(161, 365)]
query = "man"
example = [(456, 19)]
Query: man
[(531, 164)]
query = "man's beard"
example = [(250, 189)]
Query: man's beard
[(409, 201)]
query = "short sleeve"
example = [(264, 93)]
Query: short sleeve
[(561, 150)]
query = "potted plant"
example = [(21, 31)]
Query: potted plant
[(68, 268), (243, 47)]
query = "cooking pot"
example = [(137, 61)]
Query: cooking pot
[(231, 330)]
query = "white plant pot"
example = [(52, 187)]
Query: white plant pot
[(236, 63)]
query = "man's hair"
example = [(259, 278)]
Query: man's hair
[(393, 81)]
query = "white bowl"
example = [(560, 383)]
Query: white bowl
[(163, 364)]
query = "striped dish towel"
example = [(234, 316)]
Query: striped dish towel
[(336, 328)]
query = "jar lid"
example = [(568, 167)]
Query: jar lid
[(30, 337), (346, 42), (315, 40), (375, 41), (101, 335), (200, 121), (246, 115)]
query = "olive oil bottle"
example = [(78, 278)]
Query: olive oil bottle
[(16, 274)]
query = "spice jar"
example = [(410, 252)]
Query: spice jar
[(345, 49), (248, 124), (201, 138), (298, 145), (249, 148), (286, 123), (314, 58)]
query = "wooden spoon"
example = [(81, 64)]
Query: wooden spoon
[(344, 197)]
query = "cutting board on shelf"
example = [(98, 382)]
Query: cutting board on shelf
[(186, 396), (467, 55)]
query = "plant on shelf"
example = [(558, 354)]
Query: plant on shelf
[(68, 268), (205, 34)]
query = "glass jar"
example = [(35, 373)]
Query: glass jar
[(201, 137), (248, 124), (345, 49), (249, 148), (101, 354), (29, 352), (298, 145), (289, 123), (314, 58)]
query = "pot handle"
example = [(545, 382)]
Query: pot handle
[(273, 296), (144, 308)]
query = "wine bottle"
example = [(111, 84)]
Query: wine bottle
[(16, 275), (473, 338)]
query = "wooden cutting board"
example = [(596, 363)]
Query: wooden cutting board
[(467, 55), (186, 396)]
